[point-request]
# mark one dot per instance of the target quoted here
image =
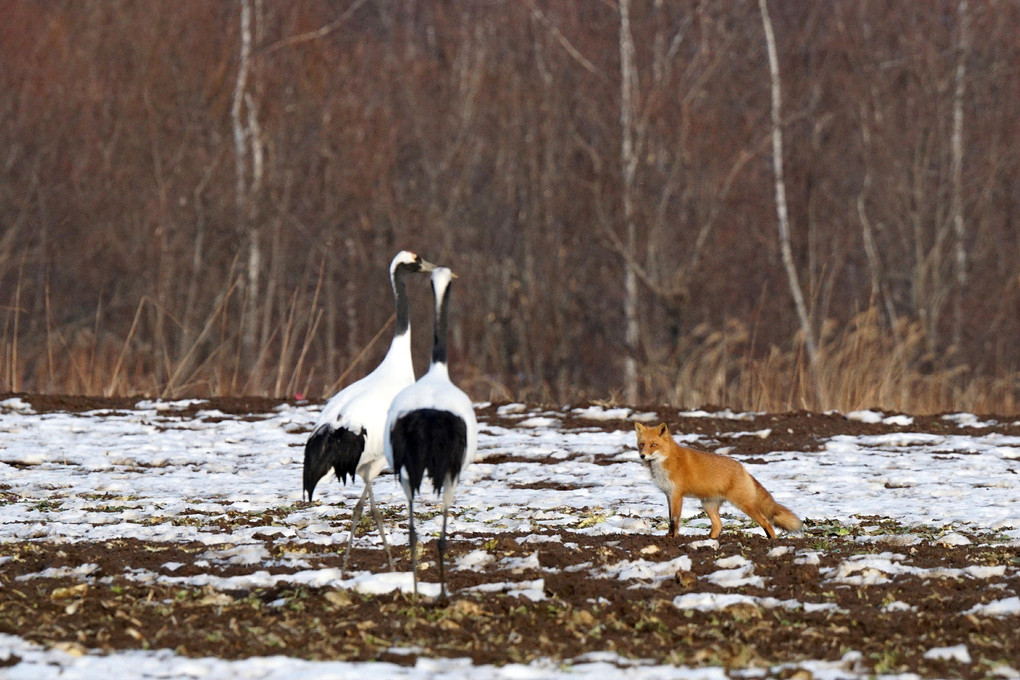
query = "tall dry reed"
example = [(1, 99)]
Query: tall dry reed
[(862, 364)]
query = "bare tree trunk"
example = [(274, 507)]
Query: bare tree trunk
[(162, 293), (241, 175), (878, 289), (248, 178), (350, 303), (628, 162), (963, 49), (189, 322), (781, 211), (237, 102)]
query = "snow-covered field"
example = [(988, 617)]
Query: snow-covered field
[(136, 473)]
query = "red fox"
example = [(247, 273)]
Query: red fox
[(679, 471)]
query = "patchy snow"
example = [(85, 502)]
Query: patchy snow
[(725, 413), (596, 412), (953, 538), (144, 473), (1009, 606), (968, 420), (955, 653), (644, 570), (873, 569), (879, 417), (720, 601), (15, 404), (38, 662)]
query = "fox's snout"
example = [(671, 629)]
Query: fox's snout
[(647, 456)]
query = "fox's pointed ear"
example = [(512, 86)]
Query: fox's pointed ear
[(663, 430), (639, 427)]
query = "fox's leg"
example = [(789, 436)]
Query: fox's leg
[(761, 519), (669, 511), (711, 507), (765, 524), (676, 506)]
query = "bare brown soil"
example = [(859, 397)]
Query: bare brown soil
[(580, 613)]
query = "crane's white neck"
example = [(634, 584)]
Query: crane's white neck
[(441, 278), (398, 357)]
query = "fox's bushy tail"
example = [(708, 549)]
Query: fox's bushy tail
[(783, 518), (780, 515)]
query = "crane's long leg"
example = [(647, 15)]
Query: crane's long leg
[(442, 551), (379, 524), (355, 519), (413, 540)]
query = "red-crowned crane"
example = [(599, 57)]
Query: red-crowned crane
[(348, 436), (431, 429)]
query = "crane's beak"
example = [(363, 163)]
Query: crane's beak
[(426, 266)]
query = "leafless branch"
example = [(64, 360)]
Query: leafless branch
[(317, 34)]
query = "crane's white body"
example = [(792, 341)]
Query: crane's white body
[(348, 435), (434, 391), (363, 406), (431, 428)]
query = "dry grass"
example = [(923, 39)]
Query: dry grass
[(214, 362), (862, 365)]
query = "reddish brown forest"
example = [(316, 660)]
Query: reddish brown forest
[(203, 197)]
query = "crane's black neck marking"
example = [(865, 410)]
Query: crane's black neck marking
[(439, 337), (400, 294)]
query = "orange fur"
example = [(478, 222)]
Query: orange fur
[(679, 471)]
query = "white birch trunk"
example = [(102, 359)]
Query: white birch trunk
[(628, 162), (781, 210), (248, 179), (237, 102), (959, 228)]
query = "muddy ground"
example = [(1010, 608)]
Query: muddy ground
[(107, 610)]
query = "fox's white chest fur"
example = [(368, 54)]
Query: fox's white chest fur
[(659, 474)]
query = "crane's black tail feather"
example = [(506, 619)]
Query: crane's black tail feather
[(327, 448), (429, 441)]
